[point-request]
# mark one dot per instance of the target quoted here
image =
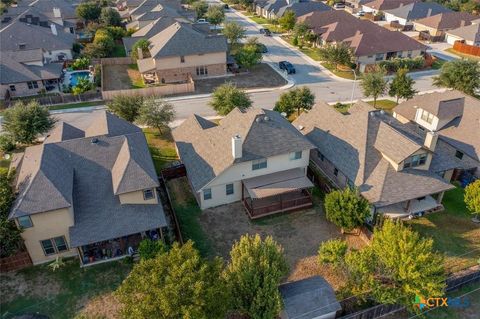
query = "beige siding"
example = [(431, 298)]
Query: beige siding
[(21, 89), (45, 226), (137, 198)]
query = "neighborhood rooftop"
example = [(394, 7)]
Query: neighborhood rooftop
[(418, 10)]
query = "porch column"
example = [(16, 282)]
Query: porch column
[(407, 206), (440, 197), (242, 191), (80, 255)]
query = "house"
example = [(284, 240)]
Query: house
[(139, 20), (397, 171), (377, 6), (255, 156), (438, 25), (454, 117), (149, 10), (404, 15), (88, 191), (467, 34), (181, 52), (310, 298), (370, 43), (274, 9)]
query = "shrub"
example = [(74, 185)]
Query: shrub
[(332, 252), (149, 249), (7, 144), (402, 63), (81, 63)]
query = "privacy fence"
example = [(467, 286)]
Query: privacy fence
[(465, 48)]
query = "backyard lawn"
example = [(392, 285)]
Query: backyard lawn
[(386, 105), (161, 147), (74, 105), (453, 232), (63, 293)]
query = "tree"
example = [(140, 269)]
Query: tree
[(89, 11), (110, 17), (125, 106), (336, 54), (116, 32), (287, 21), (200, 8), (299, 98), (398, 266), (156, 113), (142, 44), (175, 284), (332, 252), (83, 85), (233, 32), (462, 75), (253, 276), (248, 56), (402, 85), (102, 45), (24, 122), (245, 3), (227, 96), (215, 15), (81, 63), (148, 249), (346, 208), (374, 84), (9, 232), (472, 197)]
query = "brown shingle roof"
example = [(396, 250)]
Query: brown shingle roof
[(388, 4), (447, 20), (395, 146)]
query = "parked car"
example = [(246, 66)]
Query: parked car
[(202, 21), (262, 48), (226, 7), (360, 13), (265, 32), (287, 67), (339, 5)]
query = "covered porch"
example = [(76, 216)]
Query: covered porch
[(417, 206), (277, 192)]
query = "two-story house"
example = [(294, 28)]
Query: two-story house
[(89, 191), (275, 9), (255, 156), (398, 172), (454, 117)]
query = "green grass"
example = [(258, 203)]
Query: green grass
[(74, 105), (438, 63), (463, 55), (386, 105), (342, 107), (469, 294), (259, 20), (452, 231), (59, 294), (118, 51), (161, 147), (341, 73)]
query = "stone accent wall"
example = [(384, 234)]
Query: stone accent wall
[(181, 74), (18, 261)]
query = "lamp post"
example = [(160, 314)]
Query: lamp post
[(353, 88)]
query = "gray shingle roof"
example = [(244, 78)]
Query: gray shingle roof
[(105, 123), (78, 173), (418, 10), (353, 143), (468, 33), (62, 132), (182, 39), (299, 8), (387, 4), (12, 71), (205, 148), (309, 298), (447, 20)]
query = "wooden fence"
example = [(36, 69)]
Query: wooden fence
[(59, 98), (174, 172), (16, 262), (465, 48)]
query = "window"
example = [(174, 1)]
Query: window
[(379, 57), (148, 194), (335, 172), (202, 70), (22, 46), (295, 155), (182, 59), (459, 154), (54, 245), (427, 117), (13, 88), (320, 155), (259, 164), (25, 221), (229, 189), (32, 85), (207, 194), (409, 53), (415, 160)]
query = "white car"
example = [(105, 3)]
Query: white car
[(360, 13), (202, 21)]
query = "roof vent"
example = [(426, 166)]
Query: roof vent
[(94, 140), (283, 114), (300, 127), (258, 119), (266, 118), (382, 112), (372, 113)]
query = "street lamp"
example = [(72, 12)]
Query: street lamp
[(353, 88)]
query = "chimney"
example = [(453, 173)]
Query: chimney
[(57, 13), (431, 139), (140, 53), (429, 13), (237, 146), (54, 29)]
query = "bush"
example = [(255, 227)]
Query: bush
[(149, 249), (346, 208), (7, 144), (81, 63), (332, 252), (402, 63)]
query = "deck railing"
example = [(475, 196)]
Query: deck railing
[(304, 200)]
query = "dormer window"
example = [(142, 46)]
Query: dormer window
[(22, 46), (415, 160), (148, 194), (427, 117)]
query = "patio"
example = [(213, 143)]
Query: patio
[(424, 204)]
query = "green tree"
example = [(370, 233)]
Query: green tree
[(346, 208), (299, 98), (248, 56), (143, 44), (462, 75), (102, 45), (176, 284), (117, 33), (234, 32), (332, 252), (227, 96), (402, 85), (126, 107), (398, 266), (374, 85), (245, 3), (215, 15), (81, 63), (7, 143), (9, 232), (200, 8), (24, 122), (148, 249), (336, 54), (156, 113), (472, 197), (253, 276), (89, 11), (287, 21), (110, 17), (83, 85)]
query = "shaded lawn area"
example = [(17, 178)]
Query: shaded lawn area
[(386, 105), (161, 146), (74, 105), (60, 294), (118, 51), (469, 294), (452, 231)]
